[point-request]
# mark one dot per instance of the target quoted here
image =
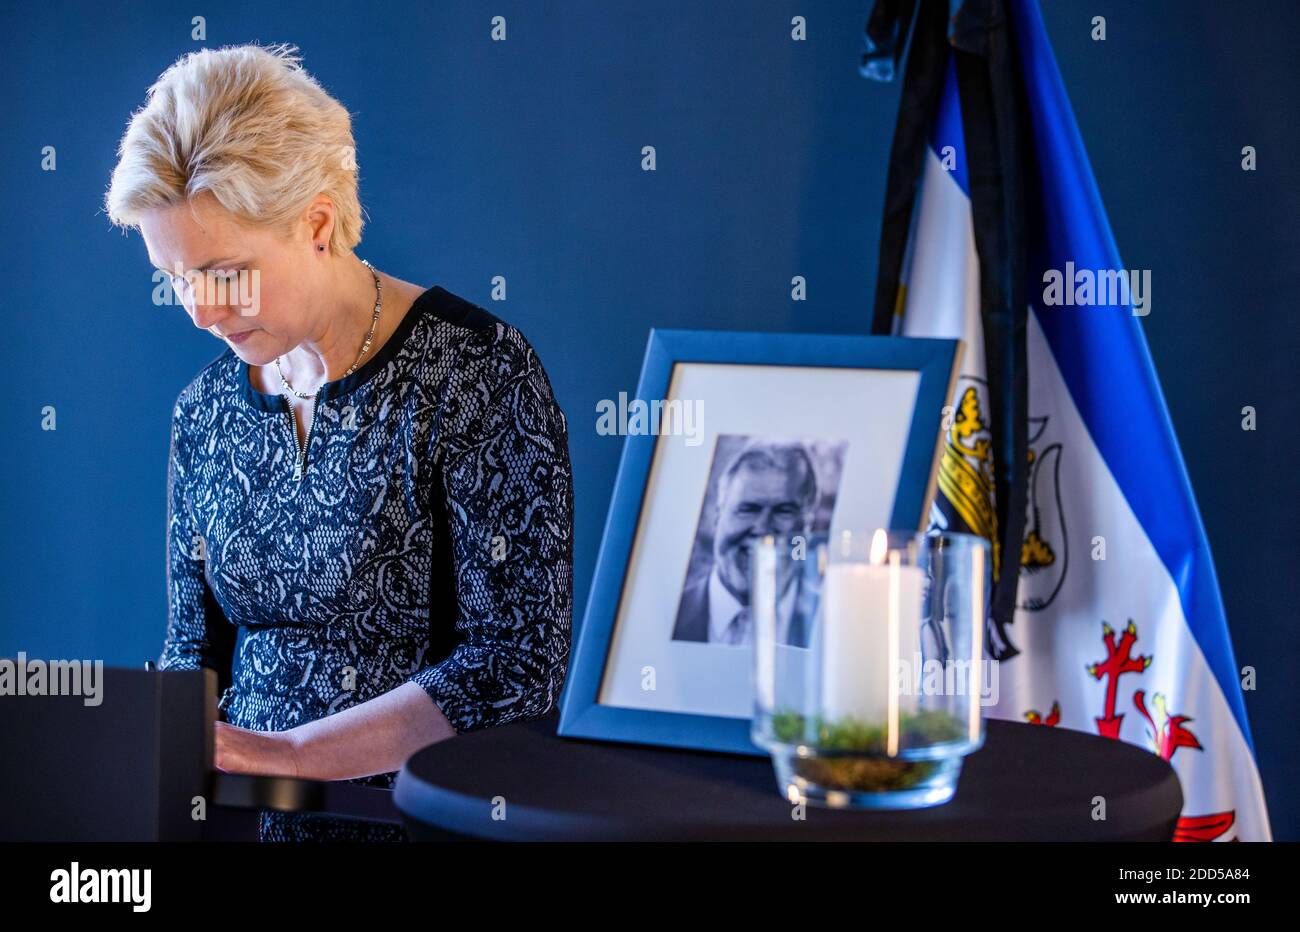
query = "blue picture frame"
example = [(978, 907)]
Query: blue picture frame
[(581, 715)]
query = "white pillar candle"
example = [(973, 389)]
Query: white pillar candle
[(872, 612)]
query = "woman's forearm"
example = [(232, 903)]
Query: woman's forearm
[(376, 736)]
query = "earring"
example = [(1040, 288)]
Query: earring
[(320, 247)]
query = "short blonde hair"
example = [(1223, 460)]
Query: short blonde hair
[(247, 124)]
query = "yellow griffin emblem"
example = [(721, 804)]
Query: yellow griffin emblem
[(966, 481)]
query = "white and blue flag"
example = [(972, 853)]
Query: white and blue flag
[(1119, 628)]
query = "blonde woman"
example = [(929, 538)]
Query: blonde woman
[(370, 508)]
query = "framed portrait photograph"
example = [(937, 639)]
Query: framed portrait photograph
[(732, 436)]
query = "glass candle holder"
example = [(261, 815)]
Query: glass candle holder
[(869, 667)]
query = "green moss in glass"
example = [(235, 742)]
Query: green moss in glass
[(876, 773)]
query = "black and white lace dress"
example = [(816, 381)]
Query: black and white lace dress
[(429, 538)]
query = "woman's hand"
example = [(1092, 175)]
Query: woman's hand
[(373, 737), (239, 750)]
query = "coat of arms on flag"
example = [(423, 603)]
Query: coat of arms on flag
[(1106, 615)]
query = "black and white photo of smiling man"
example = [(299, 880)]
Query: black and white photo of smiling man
[(757, 486)]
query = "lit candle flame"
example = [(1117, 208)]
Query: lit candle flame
[(879, 546)]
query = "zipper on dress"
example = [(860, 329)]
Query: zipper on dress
[(300, 464)]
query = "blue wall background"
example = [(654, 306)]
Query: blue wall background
[(522, 159)]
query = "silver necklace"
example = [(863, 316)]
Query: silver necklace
[(365, 347)]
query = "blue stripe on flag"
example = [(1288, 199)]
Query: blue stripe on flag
[(947, 128)]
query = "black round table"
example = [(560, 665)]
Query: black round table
[(521, 782)]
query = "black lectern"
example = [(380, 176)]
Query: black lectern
[(138, 766)]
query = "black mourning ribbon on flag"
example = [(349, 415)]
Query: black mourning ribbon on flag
[(978, 34), (885, 36)]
